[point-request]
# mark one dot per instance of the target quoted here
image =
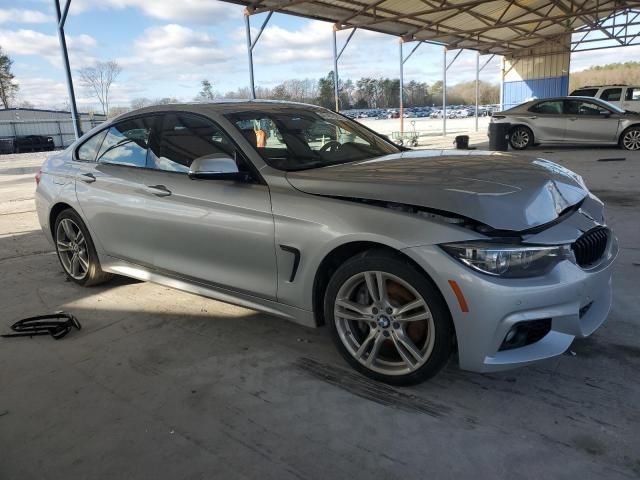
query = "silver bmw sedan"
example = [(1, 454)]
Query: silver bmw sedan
[(407, 256), (570, 120)]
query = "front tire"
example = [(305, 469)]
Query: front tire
[(76, 251), (387, 319), (630, 139), (521, 137)]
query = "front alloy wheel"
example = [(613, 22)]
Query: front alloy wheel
[(388, 319), (384, 323), (631, 139)]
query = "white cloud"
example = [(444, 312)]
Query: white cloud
[(175, 49), (30, 42), (196, 11), (16, 15), (45, 92), (583, 60)]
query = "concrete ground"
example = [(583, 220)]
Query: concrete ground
[(429, 130), (161, 384)]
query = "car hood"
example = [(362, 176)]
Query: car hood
[(499, 190)]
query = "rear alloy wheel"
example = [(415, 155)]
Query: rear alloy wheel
[(388, 319), (630, 139), (521, 138), (76, 251)]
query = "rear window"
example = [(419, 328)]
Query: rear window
[(633, 94), (585, 92), (551, 107)]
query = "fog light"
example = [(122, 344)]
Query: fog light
[(526, 333)]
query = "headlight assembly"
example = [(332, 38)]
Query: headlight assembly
[(511, 261)]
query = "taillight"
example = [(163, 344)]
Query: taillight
[(38, 177)]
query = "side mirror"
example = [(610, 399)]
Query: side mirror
[(215, 167)]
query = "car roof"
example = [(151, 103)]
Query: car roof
[(218, 106), (607, 86)]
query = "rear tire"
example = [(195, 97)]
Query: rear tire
[(630, 139), (520, 137), (76, 251), (403, 336)]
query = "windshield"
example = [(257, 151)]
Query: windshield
[(301, 138)]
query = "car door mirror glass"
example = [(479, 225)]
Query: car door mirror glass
[(216, 166)]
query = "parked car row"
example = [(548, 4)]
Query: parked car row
[(27, 143), (453, 111)]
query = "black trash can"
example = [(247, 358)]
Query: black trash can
[(499, 136), (462, 142)]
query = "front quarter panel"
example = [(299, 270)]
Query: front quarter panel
[(316, 225)]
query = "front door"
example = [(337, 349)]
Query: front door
[(218, 232), (589, 122)]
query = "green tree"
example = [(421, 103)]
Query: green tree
[(8, 88), (325, 91), (206, 92)]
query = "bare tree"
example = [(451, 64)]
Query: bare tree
[(98, 79)]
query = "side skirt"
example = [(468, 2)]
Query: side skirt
[(128, 269)]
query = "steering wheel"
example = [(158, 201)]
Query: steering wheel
[(330, 146)]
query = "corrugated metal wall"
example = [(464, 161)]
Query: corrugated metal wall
[(542, 73), (58, 125), (514, 93)]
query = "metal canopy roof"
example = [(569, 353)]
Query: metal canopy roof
[(493, 26)]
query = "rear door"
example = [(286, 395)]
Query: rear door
[(547, 121), (110, 188), (632, 99), (589, 122), (612, 95), (217, 232)]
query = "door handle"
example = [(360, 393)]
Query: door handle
[(159, 190), (88, 177)]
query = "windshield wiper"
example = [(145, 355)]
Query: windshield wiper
[(321, 163)]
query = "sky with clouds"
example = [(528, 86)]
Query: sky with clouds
[(166, 47)]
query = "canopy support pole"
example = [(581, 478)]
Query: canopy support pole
[(61, 15)]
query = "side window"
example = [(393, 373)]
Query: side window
[(183, 138), (550, 107), (612, 94), (580, 107), (127, 143), (633, 94), (89, 149)]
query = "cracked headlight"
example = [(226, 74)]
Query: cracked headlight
[(511, 261)]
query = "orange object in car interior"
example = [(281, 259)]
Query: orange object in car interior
[(261, 138)]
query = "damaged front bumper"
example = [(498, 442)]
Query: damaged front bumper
[(573, 300)]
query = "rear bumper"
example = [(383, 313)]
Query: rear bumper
[(576, 301)]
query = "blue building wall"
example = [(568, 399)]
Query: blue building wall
[(517, 92)]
